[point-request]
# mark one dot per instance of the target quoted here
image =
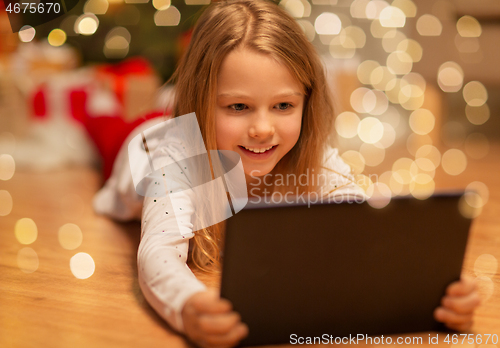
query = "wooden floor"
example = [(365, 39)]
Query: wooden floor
[(50, 307)]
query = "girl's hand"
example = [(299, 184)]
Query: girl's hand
[(210, 322), (458, 305)]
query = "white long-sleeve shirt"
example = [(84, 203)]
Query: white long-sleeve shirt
[(164, 277)]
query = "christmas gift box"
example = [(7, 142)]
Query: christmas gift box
[(134, 83)]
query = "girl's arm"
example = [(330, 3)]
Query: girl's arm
[(164, 277)]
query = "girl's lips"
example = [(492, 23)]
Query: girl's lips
[(258, 156)]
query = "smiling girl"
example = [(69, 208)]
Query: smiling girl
[(258, 88)]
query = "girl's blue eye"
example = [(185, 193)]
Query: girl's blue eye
[(284, 106), (237, 107)]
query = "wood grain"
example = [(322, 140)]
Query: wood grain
[(52, 308)]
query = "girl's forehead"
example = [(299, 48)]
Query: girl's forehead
[(248, 68)]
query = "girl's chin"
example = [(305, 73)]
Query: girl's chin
[(256, 173)]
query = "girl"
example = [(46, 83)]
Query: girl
[(258, 88)]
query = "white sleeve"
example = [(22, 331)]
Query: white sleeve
[(164, 277), (339, 179), (118, 198)]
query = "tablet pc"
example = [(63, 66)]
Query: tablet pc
[(342, 269)]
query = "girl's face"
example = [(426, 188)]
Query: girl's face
[(259, 110)]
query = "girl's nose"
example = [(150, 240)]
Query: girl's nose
[(262, 126)]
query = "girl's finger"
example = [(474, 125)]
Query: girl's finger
[(218, 323), (461, 327), (211, 303), (449, 317), (229, 339), (461, 288), (462, 305)]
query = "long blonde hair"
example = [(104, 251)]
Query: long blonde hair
[(264, 27)]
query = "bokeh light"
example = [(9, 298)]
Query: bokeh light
[(477, 115), (378, 31), (475, 94), (27, 260), (328, 24), (481, 189), (429, 152), (450, 77), (379, 195), (429, 25), (358, 8), (422, 121), (352, 37), (5, 203), (98, 7), (486, 265), (422, 186), (26, 33), (391, 40), (392, 17), (86, 24), (381, 77), (161, 4), (404, 169), (346, 124), (57, 37), (70, 236), (454, 162), (414, 142), (470, 205), (374, 8), (411, 47), (168, 17), (26, 231), (339, 50), (468, 26), (117, 43), (82, 265), (296, 8), (425, 166), (7, 167), (407, 6), (370, 130), (389, 136), (399, 63), (365, 70)]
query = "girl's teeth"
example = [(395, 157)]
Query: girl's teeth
[(258, 150)]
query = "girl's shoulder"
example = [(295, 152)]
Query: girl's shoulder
[(337, 177), (332, 162)]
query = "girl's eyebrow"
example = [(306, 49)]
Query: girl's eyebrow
[(281, 95)]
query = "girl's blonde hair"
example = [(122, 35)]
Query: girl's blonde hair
[(261, 26)]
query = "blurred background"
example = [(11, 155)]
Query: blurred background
[(415, 82), (416, 86)]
